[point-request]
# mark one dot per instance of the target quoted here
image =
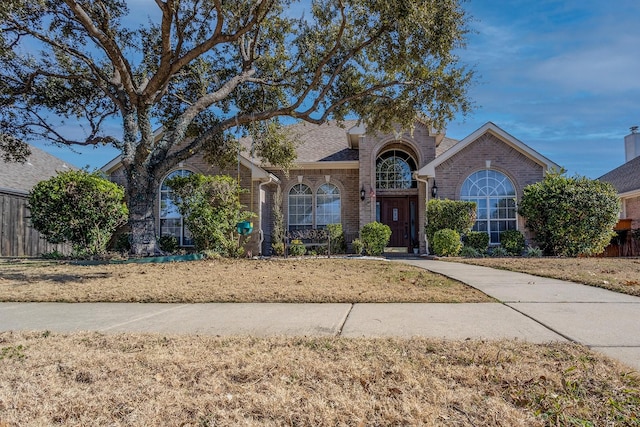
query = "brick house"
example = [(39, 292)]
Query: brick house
[(345, 175), (626, 180)]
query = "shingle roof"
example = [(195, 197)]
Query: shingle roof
[(40, 165), (445, 144), (625, 178), (327, 142)]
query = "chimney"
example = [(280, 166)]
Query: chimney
[(632, 144)]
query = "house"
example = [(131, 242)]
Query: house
[(626, 180), (345, 175), (17, 237)]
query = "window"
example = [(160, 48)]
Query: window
[(394, 170), (171, 223), (327, 205), (300, 207), (495, 197)]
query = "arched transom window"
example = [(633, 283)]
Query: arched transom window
[(170, 219), (394, 170), (495, 197)]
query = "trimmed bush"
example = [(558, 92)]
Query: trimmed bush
[(78, 207), (446, 242), (456, 215), (375, 237), (478, 240), (297, 248), (512, 241), (570, 216)]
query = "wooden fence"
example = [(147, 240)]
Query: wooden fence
[(17, 237)]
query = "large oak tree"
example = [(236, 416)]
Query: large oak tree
[(206, 69)]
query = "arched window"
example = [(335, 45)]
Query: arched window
[(300, 207), (327, 205), (495, 197), (171, 223), (394, 170)]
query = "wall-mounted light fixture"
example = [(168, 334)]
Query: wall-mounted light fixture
[(363, 193), (434, 189)]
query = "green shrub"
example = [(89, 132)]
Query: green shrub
[(469, 252), (278, 248), (338, 245), (478, 240), (498, 251), (168, 243), (210, 207), (533, 252), (297, 248), (570, 216), (78, 207), (357, 246), (455, 215), (375, 237), (446, 242), (512, 241)]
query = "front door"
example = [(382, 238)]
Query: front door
[(399, 213)]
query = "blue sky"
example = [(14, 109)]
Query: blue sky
[(561, 76)]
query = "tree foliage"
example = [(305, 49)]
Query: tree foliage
[(206, 69), (570, 216), (456, 215), (78, 207), (210, 207)]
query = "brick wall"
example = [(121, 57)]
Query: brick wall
[(632, 210)]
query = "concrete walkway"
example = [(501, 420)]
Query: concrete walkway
[(529, 308)]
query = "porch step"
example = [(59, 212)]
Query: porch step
[(396, 250)]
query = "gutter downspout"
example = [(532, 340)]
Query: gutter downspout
[(426, 186), (260, 231)]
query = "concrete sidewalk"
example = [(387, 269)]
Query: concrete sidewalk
[(530, 309), (603, 320)]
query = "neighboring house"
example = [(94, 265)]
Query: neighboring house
[(626, 180), (344, 175), (17, 237)]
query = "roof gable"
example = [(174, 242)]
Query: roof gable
[(493, 129)]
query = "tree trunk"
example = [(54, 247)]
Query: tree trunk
[(142, 194)]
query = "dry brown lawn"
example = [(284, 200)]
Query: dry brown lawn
[(616, 274), (302, 280), (88, 379)]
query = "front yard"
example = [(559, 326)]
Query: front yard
[(90, 378), (224, 280)]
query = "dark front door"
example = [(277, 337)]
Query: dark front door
[(399, 213)]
